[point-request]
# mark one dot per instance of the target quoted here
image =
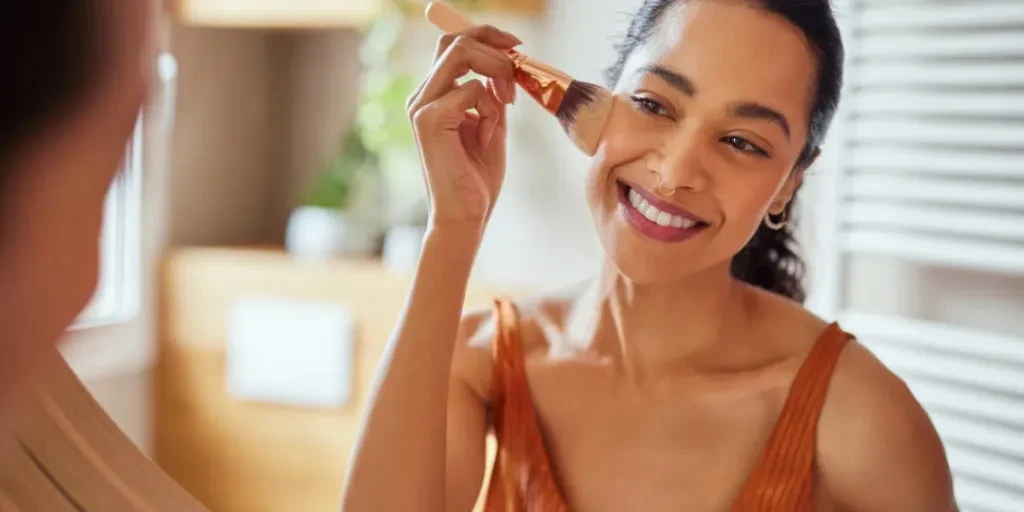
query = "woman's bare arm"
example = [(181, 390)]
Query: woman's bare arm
[(399, 463), (877, 449)]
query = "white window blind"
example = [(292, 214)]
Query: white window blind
[(929, 169), (117, 295), (935, 132)]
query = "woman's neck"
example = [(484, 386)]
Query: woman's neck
[(652, 329)]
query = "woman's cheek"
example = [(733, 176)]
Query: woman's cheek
[(750, 198), (619, 145)]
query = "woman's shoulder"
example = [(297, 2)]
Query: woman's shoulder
[(858, 375), (791, 327), (535, 319), (877, 447)]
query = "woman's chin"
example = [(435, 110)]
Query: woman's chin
[(643, 266), (644, 259)]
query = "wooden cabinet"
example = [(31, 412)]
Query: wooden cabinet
[(239, 456)]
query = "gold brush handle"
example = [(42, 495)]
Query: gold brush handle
[(446, 17)]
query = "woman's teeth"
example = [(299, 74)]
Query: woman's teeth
[(655, 215)]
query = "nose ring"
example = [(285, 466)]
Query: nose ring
[(661, 188)]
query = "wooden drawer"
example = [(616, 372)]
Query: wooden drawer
[(253, 457)]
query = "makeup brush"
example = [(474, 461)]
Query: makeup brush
[(582, 108)]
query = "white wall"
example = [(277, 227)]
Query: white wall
[(540, 233)]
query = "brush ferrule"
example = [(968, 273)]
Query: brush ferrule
[(545, 84)]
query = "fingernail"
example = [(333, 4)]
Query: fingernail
[(512, 38), (486, 132), (505, 91)]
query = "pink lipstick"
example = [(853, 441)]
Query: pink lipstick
[(656, 218)]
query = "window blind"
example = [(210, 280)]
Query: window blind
[(116, 298), (934, 152), (931, 171)]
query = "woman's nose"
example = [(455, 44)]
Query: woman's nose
[(679, 164)]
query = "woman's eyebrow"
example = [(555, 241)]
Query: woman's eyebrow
[(746, 109), (674, 79), (754, 110)]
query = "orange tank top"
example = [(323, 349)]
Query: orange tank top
[(522, 479)]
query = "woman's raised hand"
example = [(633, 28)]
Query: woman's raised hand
[(460, 129)]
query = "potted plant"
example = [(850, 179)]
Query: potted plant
[(343, 214), (326, 225)]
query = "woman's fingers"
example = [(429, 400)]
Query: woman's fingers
[(492, 91), (449, 112), (464, 55), (486, 34), (475, 50)]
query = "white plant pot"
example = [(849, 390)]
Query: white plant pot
[(402, 247), (324, 233), (405, 186)]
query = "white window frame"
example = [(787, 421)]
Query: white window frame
[(117, 298)]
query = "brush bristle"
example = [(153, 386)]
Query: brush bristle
[(578, 96), (583, 114)]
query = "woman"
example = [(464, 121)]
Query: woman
[(687, 376), (75, 79)]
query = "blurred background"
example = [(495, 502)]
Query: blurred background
[(259, 240)]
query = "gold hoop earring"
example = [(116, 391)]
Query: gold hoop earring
[(775, 225)]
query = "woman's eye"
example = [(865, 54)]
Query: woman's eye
[(744, 145), (650, 106)]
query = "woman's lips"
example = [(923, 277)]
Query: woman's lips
[(655, 218)]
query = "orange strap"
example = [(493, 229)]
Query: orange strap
[(784, 475), (782, 479), (523, 479)]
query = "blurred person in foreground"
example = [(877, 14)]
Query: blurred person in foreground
[(687, 375), (75, 76)]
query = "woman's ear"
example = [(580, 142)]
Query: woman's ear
[(792, 184)]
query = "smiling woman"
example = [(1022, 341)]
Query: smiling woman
[(687, 375), (769, 259)]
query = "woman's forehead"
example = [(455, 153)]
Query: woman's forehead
[(732, 48)]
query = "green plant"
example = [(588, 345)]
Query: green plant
[(381, 119), (381, 124), (339, 176)]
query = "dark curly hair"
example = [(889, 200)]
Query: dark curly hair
[(48, 54), (769, 260)]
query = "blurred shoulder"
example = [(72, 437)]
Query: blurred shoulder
[(537, 320)]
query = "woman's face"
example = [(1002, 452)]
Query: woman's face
[(710, 117)]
